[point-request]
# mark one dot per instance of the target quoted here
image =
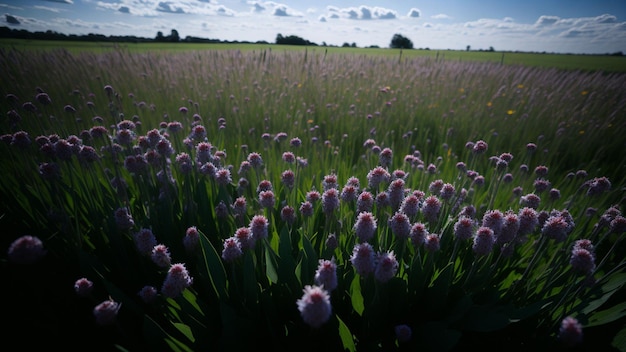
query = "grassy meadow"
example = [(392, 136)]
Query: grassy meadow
[(308, 199)]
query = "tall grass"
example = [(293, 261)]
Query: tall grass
[(495, 135)]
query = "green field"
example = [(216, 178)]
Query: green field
[(222, 197), (560, 61)]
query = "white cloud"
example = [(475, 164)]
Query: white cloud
[(414, 13)]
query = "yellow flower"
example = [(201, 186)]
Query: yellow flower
[(581, 132), (309, 121), (520, 86), (510, 112), (489, 104), (461, 90), (584, 92)]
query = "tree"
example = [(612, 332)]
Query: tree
[(174, 37), (159, 37), (401, 42)]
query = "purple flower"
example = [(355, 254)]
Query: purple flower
[(288, 178), (106, 312), (330, 200), (330, 181), (510, 228), (483, 241), (267, 199), (418, 234), (556, 228), (530, 200), (377, 176), (160, 256), (232, 249), (493, 219), (148, 294), (288, 214), (403, 332), (245, 237), (349, 193), (314, 306), (191, 239), (223, 177), (400, 225), (306, 209), (87, 154), (26, 250), (83, 287), (431, 208), (410, 205), (259, 227), (326, 274), (464, 228), (582, 261), (144, 241), (386, 266), (363, 258), (176, 281), (432, 242), (571, 332), (364, 202), (396, 193), (365, 226), (479, 147), (528, 220), (331, 241), (385, 157)]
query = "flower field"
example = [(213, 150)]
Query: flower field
[(227, 200)]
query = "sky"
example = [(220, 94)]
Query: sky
[(558, 26)]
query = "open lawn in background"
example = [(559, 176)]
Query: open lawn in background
[(339, 199)]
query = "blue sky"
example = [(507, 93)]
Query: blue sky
[(567, 26)]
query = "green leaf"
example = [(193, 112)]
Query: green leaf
[(211, 267), (608, 315), (346, 336), (488, 318), (619, 341), (155, 335), (615, 283), (250, 284), (355, 295), (286, 271), (271, 263), (185, 330)]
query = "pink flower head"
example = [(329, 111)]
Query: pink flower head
[(83, 287), (483, 241), (386, 266), (314, 306), (106, 312), (161, 256), (144, 241), (232, 249), (326, 274), (400, 225), (26, 250), (363, 258), (365, 226), (176, 281), (571, 332), (259, 227)]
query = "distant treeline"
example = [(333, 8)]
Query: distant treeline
[(6, 32)]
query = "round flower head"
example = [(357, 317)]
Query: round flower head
[(493, 219), (377, 176), (330, 200), (396, 193), (124, 219), (259, 227), (306, 209), (288, 214), (479, 147), (400, 225), (83, 287), (176, 281), (288, 178), (330, 181), (26, 250), (331, 241), (365, 226), (483, 241), (364, 202), (403, 332), (326, 274), (385, 157), (314, 306), (571, 332), (410, 205), (464, 228), (530, 200), (267, 199), (510, 228), (432, 242), (161, 256), (148, 294), (363, 258), (191, 239), (418, 234), (232, 249), (528, 220), (582, 261), (556, 228), (431, 208), (349, 193), (245, 237), (386, 266), (106, 312), (144, 241)]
